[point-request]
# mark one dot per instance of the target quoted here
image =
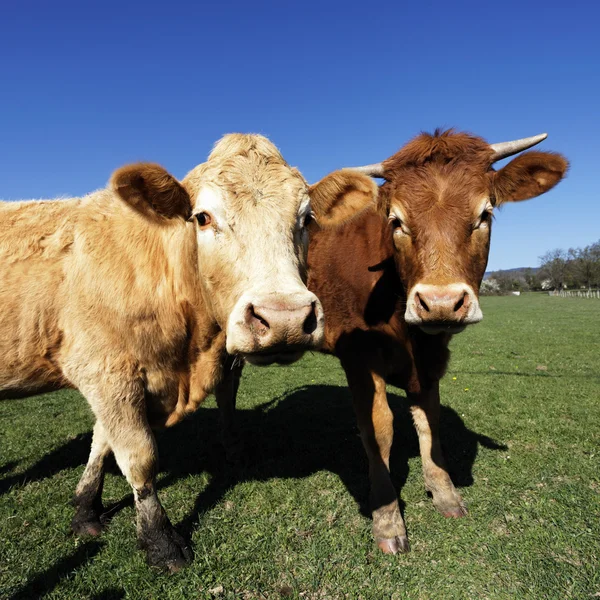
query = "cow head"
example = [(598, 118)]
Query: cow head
[(249, 214), (439, 197)]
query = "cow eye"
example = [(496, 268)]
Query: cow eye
[(204, 219), (484, 219), (308, 219), (398, 225)]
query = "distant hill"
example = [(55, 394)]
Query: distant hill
[(515, 271)]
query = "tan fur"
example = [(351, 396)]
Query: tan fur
[(139, 183), (263, 195), (124, 296)]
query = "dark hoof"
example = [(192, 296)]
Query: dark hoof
[(451, 509), (394, 545), (167, 550), (86, 523), (455, 513)]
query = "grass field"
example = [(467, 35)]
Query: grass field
[(521, 429)]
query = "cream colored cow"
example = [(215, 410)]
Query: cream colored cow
[(138, 294)]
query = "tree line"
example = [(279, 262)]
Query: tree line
[(575, 268)]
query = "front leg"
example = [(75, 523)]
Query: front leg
[(121, 412), (375, 421), (425, 408), (88, 495), (226, 396)]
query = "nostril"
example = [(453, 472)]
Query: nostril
[(310, 324), (460, 303), (255, 321), (421, 303), (463, 303)]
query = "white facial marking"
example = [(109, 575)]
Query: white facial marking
[(210, 200)]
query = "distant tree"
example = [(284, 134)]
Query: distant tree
[(583, 265), (504, 281), (532, 278), (510, 281), (553, 267), (490, 287)]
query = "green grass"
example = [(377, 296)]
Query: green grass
[(521, 428)]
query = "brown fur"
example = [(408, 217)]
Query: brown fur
[(363, 272), (443, 187), (528, 176), (341, 195)]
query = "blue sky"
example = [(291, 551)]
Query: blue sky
[(87, 87)]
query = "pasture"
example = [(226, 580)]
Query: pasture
[(521, 431)]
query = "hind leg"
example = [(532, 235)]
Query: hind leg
[(88, 495)]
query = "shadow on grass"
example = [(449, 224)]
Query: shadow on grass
[(9, 466), (109, 594), (308, 430), (46, 581), (70, 455), (541, 374)]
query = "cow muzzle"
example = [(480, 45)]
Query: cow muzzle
[(275, 328), (442, 308)]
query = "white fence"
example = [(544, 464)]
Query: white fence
[(576, 293)]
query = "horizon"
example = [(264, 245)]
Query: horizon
[(331, 85)]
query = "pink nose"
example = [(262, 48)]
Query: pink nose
[(451, 304), (280, 322), (442, 305), (263, 326)]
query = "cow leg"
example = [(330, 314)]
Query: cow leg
[(375, 421), (123, 418), (88, 495), (226, 396), (426, 415)]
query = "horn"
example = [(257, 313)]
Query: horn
[(374, 170), (505, 149)]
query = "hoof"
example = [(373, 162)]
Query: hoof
[(452, 509), (87, 523), (168, 551), (394, 545), (91, 528), (455, 513)]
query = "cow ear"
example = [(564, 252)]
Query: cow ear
[(529, 175), (151, 190), (340, 196)]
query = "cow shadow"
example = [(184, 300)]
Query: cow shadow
[(40, 584), (70, 455), (307, 430)]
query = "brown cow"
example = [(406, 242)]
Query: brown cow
[(136, 294), (399, 280)]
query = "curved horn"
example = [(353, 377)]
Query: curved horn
[(504, 149), (374, 170)]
